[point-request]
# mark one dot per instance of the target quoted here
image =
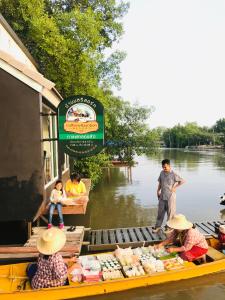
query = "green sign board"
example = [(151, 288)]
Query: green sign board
[(81, 126)]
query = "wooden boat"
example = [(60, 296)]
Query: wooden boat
[(14, 283)]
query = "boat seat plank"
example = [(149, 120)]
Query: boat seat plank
[(204, 227), (93, 237), (105, 237), (139, 234), (211, 226), (119, 236), (112, 236), (208, 229), (146, 234), (98, 237), (202, 230), (215, 254), (161, 235), (155, 236), (125, 235), (132, 235)]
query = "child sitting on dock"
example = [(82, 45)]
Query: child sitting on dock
[(75, 190), (193, 244), (56, 198)]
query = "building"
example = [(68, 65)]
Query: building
[(30, 162)]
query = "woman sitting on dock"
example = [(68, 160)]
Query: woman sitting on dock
[(50, 270), (56, 199), (193, 244), (75, 190)]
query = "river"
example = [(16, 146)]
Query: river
[(119, 201)]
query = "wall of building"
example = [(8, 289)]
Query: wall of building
[(10, 46), (21, 161)]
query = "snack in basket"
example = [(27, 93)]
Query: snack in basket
[(173, 264)]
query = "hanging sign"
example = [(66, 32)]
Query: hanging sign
[(81, 126)]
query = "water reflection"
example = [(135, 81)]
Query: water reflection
[(190, 159), (109, 208), (203, 288), (117, 202)]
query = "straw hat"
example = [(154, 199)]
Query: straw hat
[(179, 222), (51, 241)]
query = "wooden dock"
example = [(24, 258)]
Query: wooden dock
[(74, 241), (108, 239)]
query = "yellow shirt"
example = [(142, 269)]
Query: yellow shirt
[(75, 188)]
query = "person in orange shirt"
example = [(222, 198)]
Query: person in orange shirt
[(76, 190)]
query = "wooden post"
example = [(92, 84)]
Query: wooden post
[(29, 229), (108, 170), (131, 174)]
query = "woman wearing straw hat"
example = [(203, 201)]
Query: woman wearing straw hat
[(51, 270), (193, 244)]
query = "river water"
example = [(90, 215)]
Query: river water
[(119, 201)]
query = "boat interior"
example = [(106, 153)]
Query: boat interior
[(13, 277)]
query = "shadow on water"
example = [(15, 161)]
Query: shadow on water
[(203, 288)]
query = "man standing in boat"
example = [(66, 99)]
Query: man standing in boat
[(169, 181)]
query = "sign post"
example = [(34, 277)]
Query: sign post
[(81, 126)]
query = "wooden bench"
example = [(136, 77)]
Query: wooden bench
[(214, 254), (75, 209)]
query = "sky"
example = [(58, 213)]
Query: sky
[(175, 60)]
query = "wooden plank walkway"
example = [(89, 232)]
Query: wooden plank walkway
[(108, 239), (72, 247)]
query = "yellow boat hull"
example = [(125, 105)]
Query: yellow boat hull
[(13, 277)]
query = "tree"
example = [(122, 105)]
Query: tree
[(219, 127), (68, 39), (189, 134), (128, 133)]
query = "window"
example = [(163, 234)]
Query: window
[(66, 162), (50, 148)]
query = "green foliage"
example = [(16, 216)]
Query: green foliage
[(219, 127), (128, 132), (91, 167), (189, 135), (68, 39)]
